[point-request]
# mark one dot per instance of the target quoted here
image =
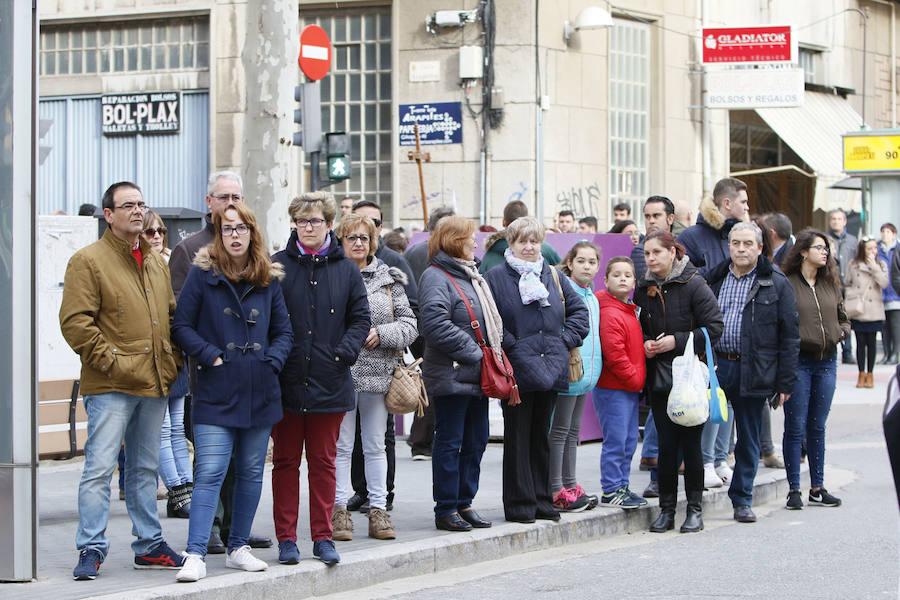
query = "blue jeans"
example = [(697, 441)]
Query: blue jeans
[(174, 459), (650, 447), (805, 414), (717, 436), (112, 417), (460, 436), (213, 446), (617, 411), (748, 420)]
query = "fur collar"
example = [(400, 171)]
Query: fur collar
[(492, 239), (203, 260), (711, 213)]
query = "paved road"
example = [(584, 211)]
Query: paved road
[(846, 552)]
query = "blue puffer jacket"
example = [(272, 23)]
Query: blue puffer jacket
[(329, 309), (706, 243), (534, 337), (452, 361), (250, 331), (590, 348), (888, 294)]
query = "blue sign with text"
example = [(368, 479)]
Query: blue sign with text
[(439, 123)]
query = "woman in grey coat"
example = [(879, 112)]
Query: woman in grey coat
[(452, 369), (393, 328)]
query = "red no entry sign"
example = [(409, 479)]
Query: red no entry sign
[(315, 52)]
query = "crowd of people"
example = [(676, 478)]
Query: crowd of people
[(301, 347)]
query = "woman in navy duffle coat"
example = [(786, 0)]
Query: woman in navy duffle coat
[(231, 318), (537, 337)]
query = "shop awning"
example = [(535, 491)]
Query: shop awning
[(814, 130)]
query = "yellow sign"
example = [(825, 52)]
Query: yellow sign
[(868, 153)]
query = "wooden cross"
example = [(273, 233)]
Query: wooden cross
[(420, 156)]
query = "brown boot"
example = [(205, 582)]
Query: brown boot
[(861, 380), (380, 526), (870, 380), (341, 524)]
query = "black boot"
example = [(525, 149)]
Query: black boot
[(694, 520), (666, 519)]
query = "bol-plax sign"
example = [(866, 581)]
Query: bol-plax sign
[(315, 52), (768, 43)]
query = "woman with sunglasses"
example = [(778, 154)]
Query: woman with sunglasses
[(329, 310), (813, 272), (174, 458), (231, 319)]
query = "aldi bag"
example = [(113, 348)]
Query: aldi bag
[(688, 403)]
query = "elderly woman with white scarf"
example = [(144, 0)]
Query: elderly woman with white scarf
[(452, 369), (540, 328)]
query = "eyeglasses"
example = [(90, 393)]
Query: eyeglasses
[(314, 222), (353, 238), (377, 222), (150, 232), (820, 248), (130, 206), (242, 229), (233, 197)]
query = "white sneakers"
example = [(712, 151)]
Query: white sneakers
[(240, 558), (724, 472), (194, 568), (710, 476)]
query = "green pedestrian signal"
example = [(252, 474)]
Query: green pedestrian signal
[(337, 153)]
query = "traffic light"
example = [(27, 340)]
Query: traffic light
[(309, 117), (337, 154)]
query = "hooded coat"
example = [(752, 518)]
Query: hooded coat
[(329, 311), (681, 305), (248, 327), (624, 365), (534, 337), (394, 321), (706, 243), (495, 245)]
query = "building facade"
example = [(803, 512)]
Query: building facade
[(607, 115)]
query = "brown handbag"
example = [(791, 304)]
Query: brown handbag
[(576, 364), (497, 379), (407, 391)]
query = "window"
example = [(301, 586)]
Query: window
[(130, 46), (629, 114), (356, 98), (810, 61)]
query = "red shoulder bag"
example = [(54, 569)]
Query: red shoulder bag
[(497, 379)]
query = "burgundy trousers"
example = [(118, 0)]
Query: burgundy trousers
[(318, 433)]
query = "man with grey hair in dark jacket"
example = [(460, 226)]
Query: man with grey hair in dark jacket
[(845, 251), (758, 351)]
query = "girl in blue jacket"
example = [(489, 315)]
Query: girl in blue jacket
[(581, 265), (231, 318)]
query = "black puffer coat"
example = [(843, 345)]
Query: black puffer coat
[(329, 311), (683, 304)]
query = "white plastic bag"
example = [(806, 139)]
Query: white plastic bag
[(688, 401)]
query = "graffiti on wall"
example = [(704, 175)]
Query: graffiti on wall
[(582, 201), (518, 194), (445, 197)]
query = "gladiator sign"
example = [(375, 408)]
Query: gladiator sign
[(736, 45), (149, 112)]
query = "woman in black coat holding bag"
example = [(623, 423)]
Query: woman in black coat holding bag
[(452, 369), (674, 301), (539, 329)]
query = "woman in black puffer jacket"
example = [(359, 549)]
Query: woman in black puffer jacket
[(674, 301)]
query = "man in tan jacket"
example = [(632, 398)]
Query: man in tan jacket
[(116, 310)]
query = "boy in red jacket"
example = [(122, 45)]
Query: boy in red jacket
[(621, 379)]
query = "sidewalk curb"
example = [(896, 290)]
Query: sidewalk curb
[(370, 566)]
